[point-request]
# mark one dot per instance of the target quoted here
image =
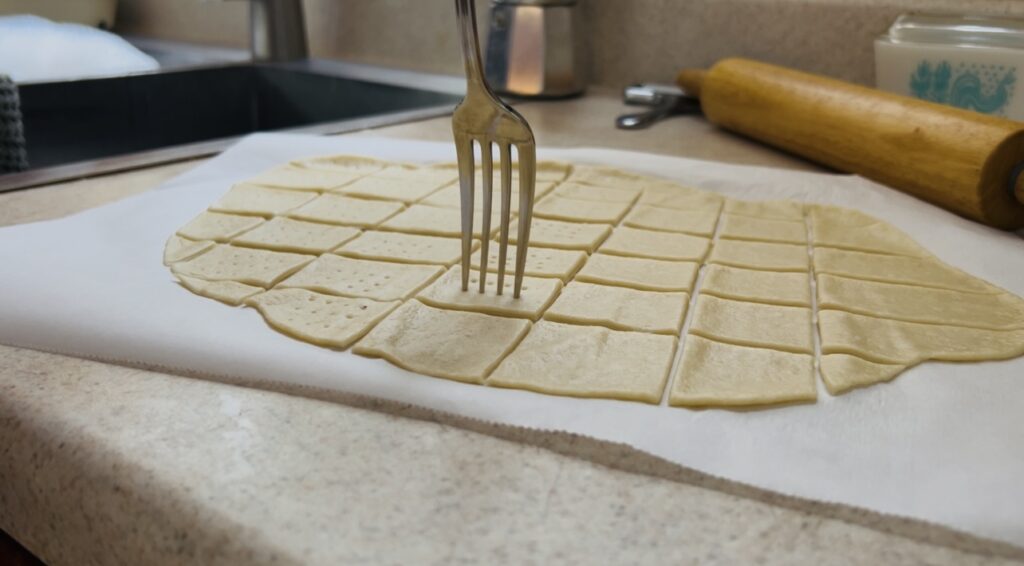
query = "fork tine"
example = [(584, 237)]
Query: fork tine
[(485, 229), (464, 151), (527, 171), (506, 203)]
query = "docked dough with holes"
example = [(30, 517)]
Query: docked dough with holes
[(351, 277), (537, 294), (217, 226), (564, 235), (405, 248), (325, 320), (540, 262)]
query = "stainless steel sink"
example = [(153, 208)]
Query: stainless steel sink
[(83, 127)]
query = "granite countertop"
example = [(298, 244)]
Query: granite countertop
[(106, 464)]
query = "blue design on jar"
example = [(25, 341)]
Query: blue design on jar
[(983, 88)]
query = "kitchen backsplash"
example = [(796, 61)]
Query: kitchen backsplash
[(629, 40)]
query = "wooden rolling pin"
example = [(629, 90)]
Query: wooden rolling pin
[(963, 161)]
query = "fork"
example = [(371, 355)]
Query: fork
[(483, 118)]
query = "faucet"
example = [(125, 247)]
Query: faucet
[(277, 30)]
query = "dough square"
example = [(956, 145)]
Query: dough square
[(451, 197), (607, 177), (576, 210), (446, 293), (434, 176), (244, 265), (564, 235), (405, 248), (288, 235), (739, 227), (843, 372), (921, 304), (678, 197), (639, 273), (436, 221), (377, 186), (265, 201), (325, 320), (589, 361), (760, 255), (459, 345), (753, 324), (338, 209), (635, 242), (304, 178), (540, 262), (766, 209), (229, 292), (620, 308), (774, 287), (350, 164), (697, 222), (921, 272), (179, 249), (717, 374), (849, 229), (382, 281), (898, 342), (601, 194), (217, 226)]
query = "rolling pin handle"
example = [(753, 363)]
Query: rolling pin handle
[(1017, 182)]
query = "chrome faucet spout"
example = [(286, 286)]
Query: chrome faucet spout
[(278, 30)]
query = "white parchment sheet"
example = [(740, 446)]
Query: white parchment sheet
[(943, 442)]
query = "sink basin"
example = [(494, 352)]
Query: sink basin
[(201, 110)]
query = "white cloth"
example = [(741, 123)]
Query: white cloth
[(34, 49), (943, 442)]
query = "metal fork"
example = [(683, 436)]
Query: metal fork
[(485, 119)]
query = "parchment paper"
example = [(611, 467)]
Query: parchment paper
[(943, 442)]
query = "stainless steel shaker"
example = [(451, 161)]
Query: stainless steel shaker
[(535, 48)]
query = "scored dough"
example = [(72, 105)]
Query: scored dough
[(753, 324), (451, 197), (540, 262), (265, 201), (579, 210), (460, 345), (775, 287), (218, 226), (634, 242), (245, 265), (378, 186), (601, 194), (773, 209), (922, 272), (843, 372), (920, 304), (303, 178), (287, 235), (565, 235), (435, 221), (620, 308), (350, 277), (321, 319), (680, 198), (844, 228), (760, 255), (536, 296), (229, 292), (589, 361), (899, 342), (405, 248), (719, 374), (639, 273), (178, 249), (606, 177), (739, 227), (350, 164), (337, 209), (698, 222)]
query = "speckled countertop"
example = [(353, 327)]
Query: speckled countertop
[(102, 464)]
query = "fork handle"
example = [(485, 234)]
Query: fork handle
[(465, 10)]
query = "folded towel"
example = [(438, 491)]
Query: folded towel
[(13, 156)]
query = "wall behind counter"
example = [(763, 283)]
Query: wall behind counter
[(629, 40)]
